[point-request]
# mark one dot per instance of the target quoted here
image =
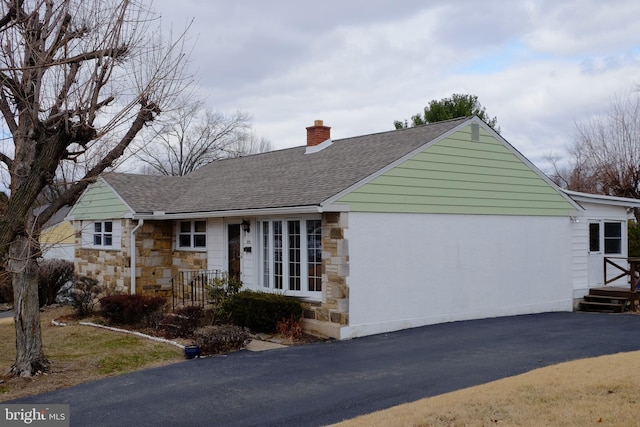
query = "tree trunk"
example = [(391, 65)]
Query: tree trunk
[(30, 357)]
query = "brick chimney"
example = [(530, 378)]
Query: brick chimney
[(318, 133)]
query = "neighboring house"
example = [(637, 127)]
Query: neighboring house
[(375, 233), (57, 238)]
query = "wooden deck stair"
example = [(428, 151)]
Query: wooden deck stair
[(608, 299)]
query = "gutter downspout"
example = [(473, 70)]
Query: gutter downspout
[(133, 255)]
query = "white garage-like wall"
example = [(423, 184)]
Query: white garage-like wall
[(409, 270)]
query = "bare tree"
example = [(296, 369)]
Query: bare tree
[(250, 143), (605, 157), (192, 137), (76, 78)]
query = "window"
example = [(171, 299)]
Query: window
[(314, 257), (612, 238), (291, 255), (594, 237), (266, 255), (606, 236), (294, 255), (192, 234), (103, 233)]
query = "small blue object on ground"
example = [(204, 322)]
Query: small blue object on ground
[(191, 351)]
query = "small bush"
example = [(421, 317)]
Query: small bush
[(52, 275), (132, 309), (290, 328), (261, 312), (220, 338), (84, 294), (184, 322), (219, 290)]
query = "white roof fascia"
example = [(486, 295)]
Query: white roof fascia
[(295, 210), (602, 199)]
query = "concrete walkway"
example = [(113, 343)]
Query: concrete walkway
[(319, 384)]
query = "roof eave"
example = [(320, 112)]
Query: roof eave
[(289, 210), (602, 199)]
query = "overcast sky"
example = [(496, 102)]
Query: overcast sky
[(539, 66)]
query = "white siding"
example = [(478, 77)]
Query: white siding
[(59, 251), (216, 245), (580, 251), (409, 270), (247, 261), (583, 262)]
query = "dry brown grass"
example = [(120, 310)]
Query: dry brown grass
[(603, 391), (79, 354)]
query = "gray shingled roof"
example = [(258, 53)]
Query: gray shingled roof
[(284, 178)]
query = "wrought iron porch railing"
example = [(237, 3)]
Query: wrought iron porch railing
[(191, 287)]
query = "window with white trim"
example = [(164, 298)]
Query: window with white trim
[(291, 255), (105, 235), (606, 236), (612, 237), (192, 234)]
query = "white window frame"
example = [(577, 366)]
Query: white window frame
[(606, 238), (89, 234), (192, 233), (602, 236), (267, 253)]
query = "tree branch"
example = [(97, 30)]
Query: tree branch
[(6, 160), (12, 13), (146, 114)]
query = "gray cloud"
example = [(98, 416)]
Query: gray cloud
[(537, 65)]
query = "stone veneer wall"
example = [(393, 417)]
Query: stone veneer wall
[(334, 308), (189, 260), (156, 261), (154, 241), (111, 268)]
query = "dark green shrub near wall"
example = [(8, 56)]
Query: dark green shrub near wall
[(261, 312)]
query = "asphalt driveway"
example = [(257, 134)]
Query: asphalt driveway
[(319, 384)]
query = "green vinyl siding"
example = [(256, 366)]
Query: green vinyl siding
[(99, 202), (460, 176)]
